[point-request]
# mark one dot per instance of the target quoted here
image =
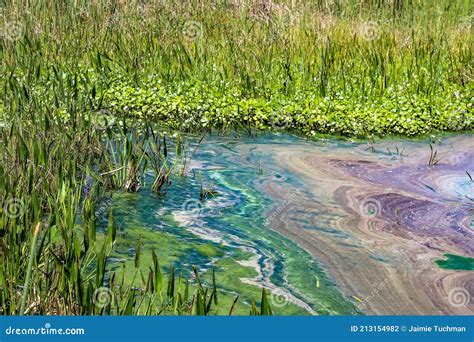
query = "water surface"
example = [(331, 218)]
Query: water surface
[(322, 225)]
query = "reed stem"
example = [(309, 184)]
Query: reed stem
[(30, 266)]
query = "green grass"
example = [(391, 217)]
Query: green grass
[(346, 67)]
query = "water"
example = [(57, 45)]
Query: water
[(309, 221)]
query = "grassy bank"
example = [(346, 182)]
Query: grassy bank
[(83, 83), (345, 67)]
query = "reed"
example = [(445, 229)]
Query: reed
[(330, 66), (96, 93), (469, 175), (434, 159)]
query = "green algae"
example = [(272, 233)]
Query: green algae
[(209, 250), (231, 235), (456, 262)]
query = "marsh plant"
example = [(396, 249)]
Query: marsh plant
[(95, 93), (54, 259), (206, 190), (469, 175), (397, 151), (309, 66), (54, 172), (434, 158)]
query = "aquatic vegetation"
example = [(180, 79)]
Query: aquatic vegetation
[(344, 114), (434, 159), (398, 151), (55, 259), (226, 231), (311, 67), (205, 190), (456, 262), (95, 96), (469, 175)]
